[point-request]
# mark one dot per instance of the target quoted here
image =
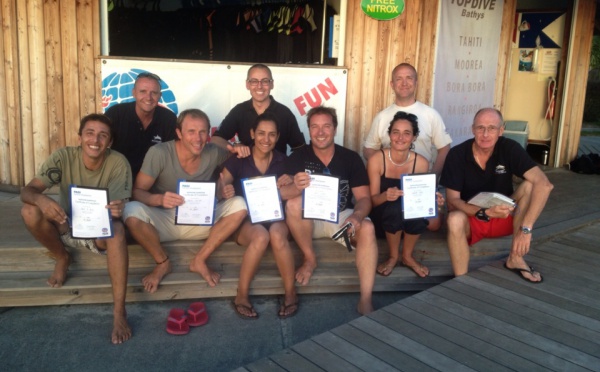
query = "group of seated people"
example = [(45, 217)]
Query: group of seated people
[(144, 189)]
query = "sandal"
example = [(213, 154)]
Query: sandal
[(250, 309), (283, 308)]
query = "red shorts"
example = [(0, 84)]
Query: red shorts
[(496, 228)]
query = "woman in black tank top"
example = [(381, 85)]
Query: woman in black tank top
[(386, 196)]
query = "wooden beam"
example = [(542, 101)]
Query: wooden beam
[(86, 55), (426, 51), (504, 53), (13, 110), (578, 69), (25, 91), (4, 126), (70, 65), (37, 87), (54, 76)]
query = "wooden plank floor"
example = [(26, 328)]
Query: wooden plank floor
[(25, 265), (487, 320)]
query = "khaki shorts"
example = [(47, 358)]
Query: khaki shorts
[(69, 241), (163, 219), (324, 229)]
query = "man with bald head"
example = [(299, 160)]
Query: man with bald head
[(488, 162)]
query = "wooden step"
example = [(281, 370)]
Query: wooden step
[(24, 270)]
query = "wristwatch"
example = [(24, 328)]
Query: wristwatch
[(526, 230), (481, 216)]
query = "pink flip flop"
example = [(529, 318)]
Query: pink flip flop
[(197, 314), (176, 322)]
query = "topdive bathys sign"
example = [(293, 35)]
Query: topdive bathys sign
[(382, 10)]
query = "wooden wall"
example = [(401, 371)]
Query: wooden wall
[(50, 77), (47, 81), (574, 81), (374, 48)]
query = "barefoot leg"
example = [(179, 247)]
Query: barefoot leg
[(393, 240), (217, 235), (121, 331), (304, 272), (302, 231), (118, 264), (410, 241), (147, 236), (152, 280), (59, 275), (199, 266), (48, 235)]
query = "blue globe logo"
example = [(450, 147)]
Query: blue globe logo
[(117, 88)]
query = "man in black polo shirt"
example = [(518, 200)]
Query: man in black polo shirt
[(488, 162), (143, 123), (240, 119), (323, 156)]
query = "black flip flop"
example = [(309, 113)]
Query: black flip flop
[(242, 316), (520, 272), (284, 307)]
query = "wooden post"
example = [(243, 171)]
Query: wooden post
[(54, 78), (37, 87), (68, 21), (85, 55), (4, 129), (13, 111), (25, 91), (574, 94)]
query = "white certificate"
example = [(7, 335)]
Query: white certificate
[(262, 197), (90, 219), (320, 199), (199, 205), (419, 200)]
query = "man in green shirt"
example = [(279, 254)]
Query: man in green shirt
[(91, 164)]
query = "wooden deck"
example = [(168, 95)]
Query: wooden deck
[(25, 265), (488, 320)]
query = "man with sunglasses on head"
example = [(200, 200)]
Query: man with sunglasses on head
[(432, 131), (259, 83), (487, 163), (142, 123)]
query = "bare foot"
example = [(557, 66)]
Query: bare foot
[(386, 268), (121, 331), (152, 280), (59, 276), (304, 273), (199, 266), (419, 269), (364, 307)]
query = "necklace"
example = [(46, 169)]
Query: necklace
[(401, 164)]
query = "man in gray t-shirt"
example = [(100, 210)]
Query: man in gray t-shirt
[(151, 217)]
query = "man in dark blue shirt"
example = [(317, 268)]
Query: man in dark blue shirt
[(143, 123)]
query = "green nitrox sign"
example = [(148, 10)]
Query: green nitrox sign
[(382, 10)]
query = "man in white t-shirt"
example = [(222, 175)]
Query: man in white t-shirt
[(432, 138)]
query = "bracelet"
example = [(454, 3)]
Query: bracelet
[(163, 261)]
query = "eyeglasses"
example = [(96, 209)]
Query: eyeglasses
[(148, 75), (482, 129), (255, 82), (405, 116)]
